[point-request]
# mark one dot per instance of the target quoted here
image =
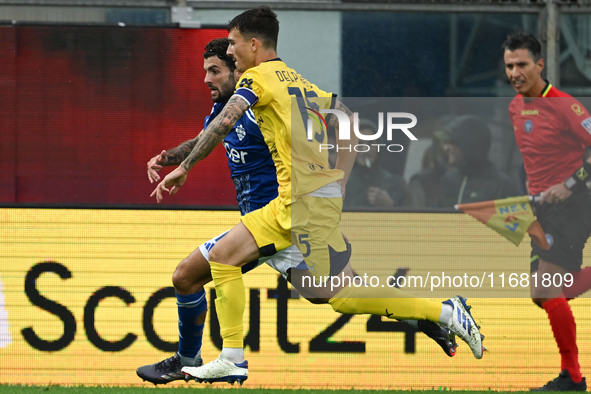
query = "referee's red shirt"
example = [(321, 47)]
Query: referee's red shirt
[(552, 132)]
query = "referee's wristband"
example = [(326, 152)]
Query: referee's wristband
[(580, 179)]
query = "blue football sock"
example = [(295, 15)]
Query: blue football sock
[(190, 333)]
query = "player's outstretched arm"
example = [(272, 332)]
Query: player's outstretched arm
[(175, 156), (171, 157), (345, 157), (207, 141), (215, 132)]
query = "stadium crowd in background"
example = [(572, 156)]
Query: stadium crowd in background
[(371, 185), (470, 176)]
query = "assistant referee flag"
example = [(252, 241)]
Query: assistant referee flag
[(511, 217)]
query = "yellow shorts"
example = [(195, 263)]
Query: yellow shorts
[(310, 223), (316, 229), (270, 226)]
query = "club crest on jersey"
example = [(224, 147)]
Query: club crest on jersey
[(528, 126), (240, 132)]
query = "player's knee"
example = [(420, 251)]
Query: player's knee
[(185, 283), (214, 255), (539, 295), (220, 255), (180, 282)]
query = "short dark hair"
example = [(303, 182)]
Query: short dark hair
[(218, 47), (259, 22), (523, 40)]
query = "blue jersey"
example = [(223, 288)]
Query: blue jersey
[(251, 166)]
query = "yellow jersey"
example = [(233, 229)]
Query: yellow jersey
[(288, 110)]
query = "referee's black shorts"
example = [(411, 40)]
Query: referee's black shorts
[(567, 226)]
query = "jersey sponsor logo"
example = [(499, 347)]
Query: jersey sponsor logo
[(246, 83), (577, 109), (235, 155), (587, 124), (529, 112), (528, 126)]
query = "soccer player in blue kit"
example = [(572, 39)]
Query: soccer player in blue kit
[(253, 173)]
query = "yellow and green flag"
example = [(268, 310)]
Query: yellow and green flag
[(511, 217)]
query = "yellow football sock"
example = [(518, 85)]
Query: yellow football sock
[(229, 303), (389, 302)]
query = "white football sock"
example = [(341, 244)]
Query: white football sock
[(233, 354), (446, 315)]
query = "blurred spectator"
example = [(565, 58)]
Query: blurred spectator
[(471, 176), (370, 185), (424, 187)]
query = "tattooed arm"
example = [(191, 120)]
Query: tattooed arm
[(173, 156), (345, 157), (207, 141), (216, 131)]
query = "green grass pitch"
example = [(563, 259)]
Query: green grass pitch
[(12, 389)]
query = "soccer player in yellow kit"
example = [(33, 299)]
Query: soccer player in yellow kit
[(307, 210)]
